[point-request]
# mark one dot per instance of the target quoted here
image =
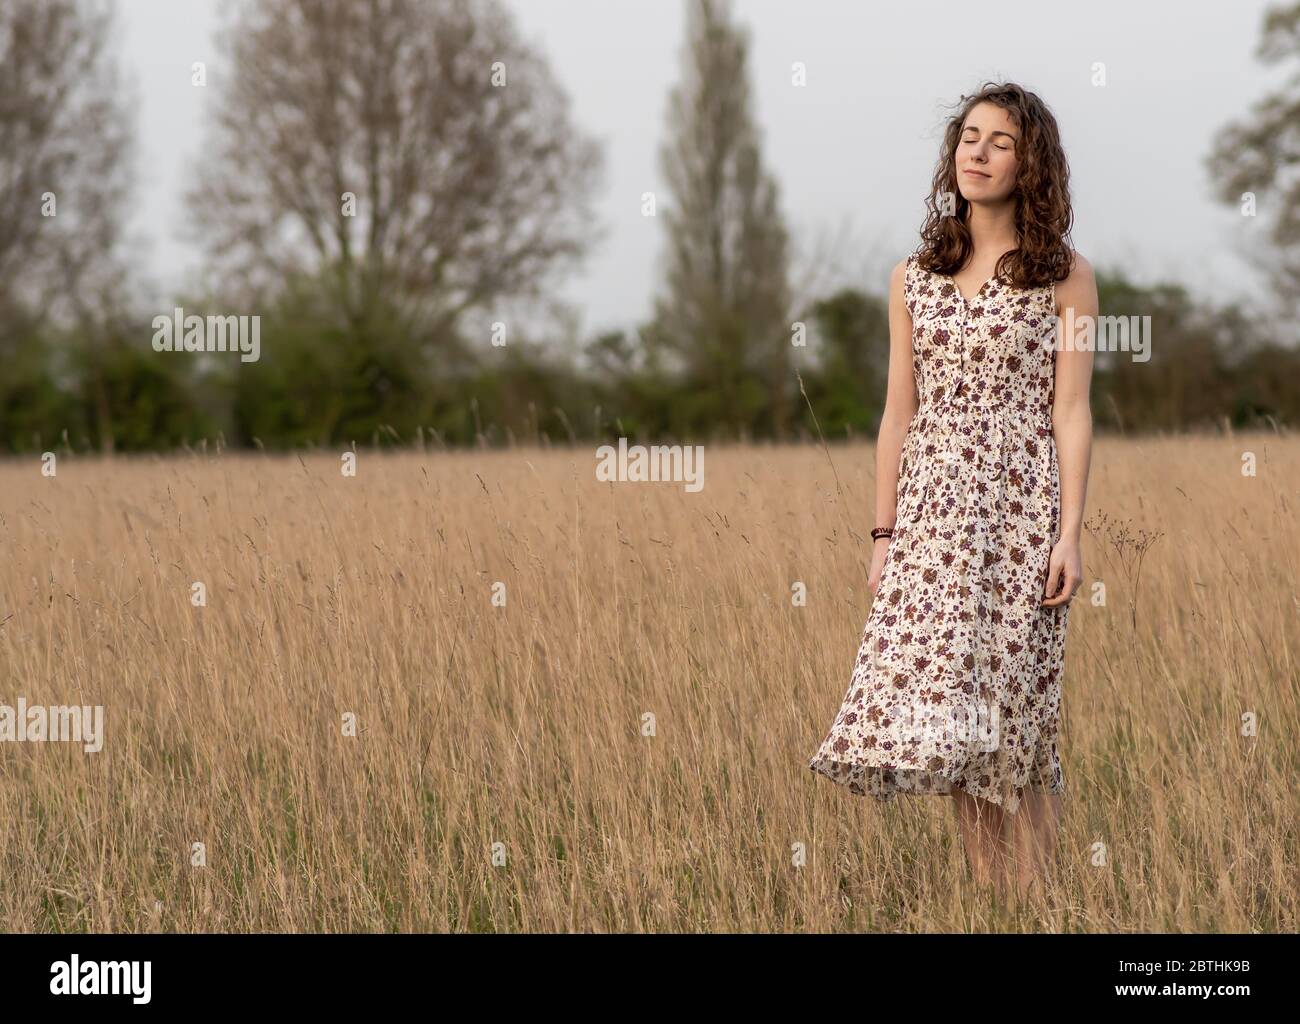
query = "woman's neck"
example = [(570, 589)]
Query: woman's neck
[(992, 227)]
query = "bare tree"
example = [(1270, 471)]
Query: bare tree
[(412, 154), (64, 146), (725, 314), (1260, 155)]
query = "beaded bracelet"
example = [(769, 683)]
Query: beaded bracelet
[(882, 531)]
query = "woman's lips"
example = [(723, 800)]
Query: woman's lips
[(977, 174)]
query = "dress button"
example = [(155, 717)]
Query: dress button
[(953, 470)]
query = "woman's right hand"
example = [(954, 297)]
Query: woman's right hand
[(877, 563)]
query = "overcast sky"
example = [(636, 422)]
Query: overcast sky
[(854, 148)]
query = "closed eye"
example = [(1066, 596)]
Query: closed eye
[(995, 145)]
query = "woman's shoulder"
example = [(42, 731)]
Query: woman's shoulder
[(1080, 269), (905, 269), (1078, 289), (1080, 278), (906, 278), (1080, 262)]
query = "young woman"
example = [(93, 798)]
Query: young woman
[(981, 469)]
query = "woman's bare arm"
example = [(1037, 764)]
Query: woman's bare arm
[(1076, 298), (900, 401)]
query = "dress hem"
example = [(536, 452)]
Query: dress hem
[(886, 781)]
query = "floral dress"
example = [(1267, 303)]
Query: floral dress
[(957, 680)]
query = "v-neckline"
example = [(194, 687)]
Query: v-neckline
[(957, 288)]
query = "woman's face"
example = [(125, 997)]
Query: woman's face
[(986, 154)]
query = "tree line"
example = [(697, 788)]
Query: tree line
[(394, 187)]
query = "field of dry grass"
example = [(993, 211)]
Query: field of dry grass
[(501, 777)]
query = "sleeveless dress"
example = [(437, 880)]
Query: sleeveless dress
[(957, 680)]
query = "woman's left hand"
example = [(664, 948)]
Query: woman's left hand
[(1064, 573)]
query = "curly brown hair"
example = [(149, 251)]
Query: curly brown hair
[(1042, 194)]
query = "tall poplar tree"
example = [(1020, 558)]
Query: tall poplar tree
[(723, 316)]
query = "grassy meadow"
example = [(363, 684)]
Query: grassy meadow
[(586, 706)]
